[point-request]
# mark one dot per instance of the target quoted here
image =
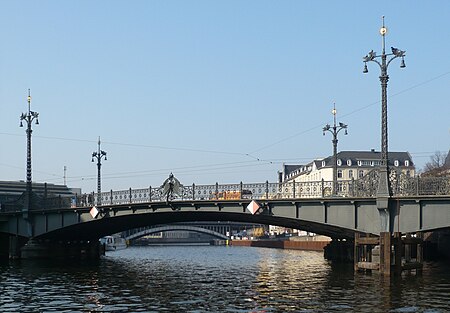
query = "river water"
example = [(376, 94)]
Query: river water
[(216, 279)]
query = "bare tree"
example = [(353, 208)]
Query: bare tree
[(437, 165)]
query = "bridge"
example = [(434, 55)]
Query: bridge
[(416, 205), (167, 228)]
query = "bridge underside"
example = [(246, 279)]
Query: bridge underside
[(110, 225)]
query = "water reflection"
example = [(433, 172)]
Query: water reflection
[(216, 279)]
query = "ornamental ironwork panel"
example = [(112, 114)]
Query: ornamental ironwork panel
[(366, 187), (258, 190), (156, 194), (205, 192), (434, 186), (285, 190), (403, 185), (344, 188), (187, 193), (315, 189), (140, 195), (275, 190)]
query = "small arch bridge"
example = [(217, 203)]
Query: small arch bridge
[(166, 228)]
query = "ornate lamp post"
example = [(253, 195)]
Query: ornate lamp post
[(383, 62), (29, 117), (99, 154), (334, 130)]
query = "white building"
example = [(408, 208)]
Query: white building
[(350, 165)]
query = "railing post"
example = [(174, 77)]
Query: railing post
[(353, 188), (417, 186), (193, 191), (293, 188), (150, 194), (130, 196), (240, 189), (111, 197), (45, 195), (323, 188), (267, 190), (217, 191)]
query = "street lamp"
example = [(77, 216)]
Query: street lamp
[(29, 117), (99, 154), (334, 130), (383, 186)]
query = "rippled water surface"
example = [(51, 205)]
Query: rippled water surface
[(216, 279)]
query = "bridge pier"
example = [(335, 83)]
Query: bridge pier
[(10, 246), (389, 254), (37, 249), (339, 251)]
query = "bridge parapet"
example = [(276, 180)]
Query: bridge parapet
[(366, 187)]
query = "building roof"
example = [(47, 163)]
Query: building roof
[(372, 155)]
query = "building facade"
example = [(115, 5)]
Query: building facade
[(12, 194), (350, 165)]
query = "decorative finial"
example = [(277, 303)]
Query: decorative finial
[(29, 97), (383, 29), (334, 109)]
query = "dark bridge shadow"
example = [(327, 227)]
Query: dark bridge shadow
[(109, 225)]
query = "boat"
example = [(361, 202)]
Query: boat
[(113, 243)]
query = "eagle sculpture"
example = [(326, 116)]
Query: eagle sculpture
[(171, 187)]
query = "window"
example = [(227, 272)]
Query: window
[(323, 163), (361, 174), (396, 163), (349, 162), (359, 163), (406, 162), (350, 174), (339, 162), (339, 174)]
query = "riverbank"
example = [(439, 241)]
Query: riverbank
[(309, 245)]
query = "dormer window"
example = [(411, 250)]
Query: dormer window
[(359, 163), (339, 162), (349, 162), (323, 163), (396, 163), (406, 162)]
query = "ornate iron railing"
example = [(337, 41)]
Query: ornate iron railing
[(365, 187)]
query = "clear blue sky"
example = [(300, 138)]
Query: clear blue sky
[(213, 90)]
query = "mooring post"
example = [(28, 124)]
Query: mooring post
[(419, 253), (398, 252), (385, 253), (356, 252)]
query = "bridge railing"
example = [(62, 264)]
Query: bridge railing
[(420, 186), (257, 191), (366, 187)]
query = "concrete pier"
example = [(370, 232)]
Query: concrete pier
[(35, 249)]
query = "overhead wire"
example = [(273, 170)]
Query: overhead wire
[(249, 154)]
